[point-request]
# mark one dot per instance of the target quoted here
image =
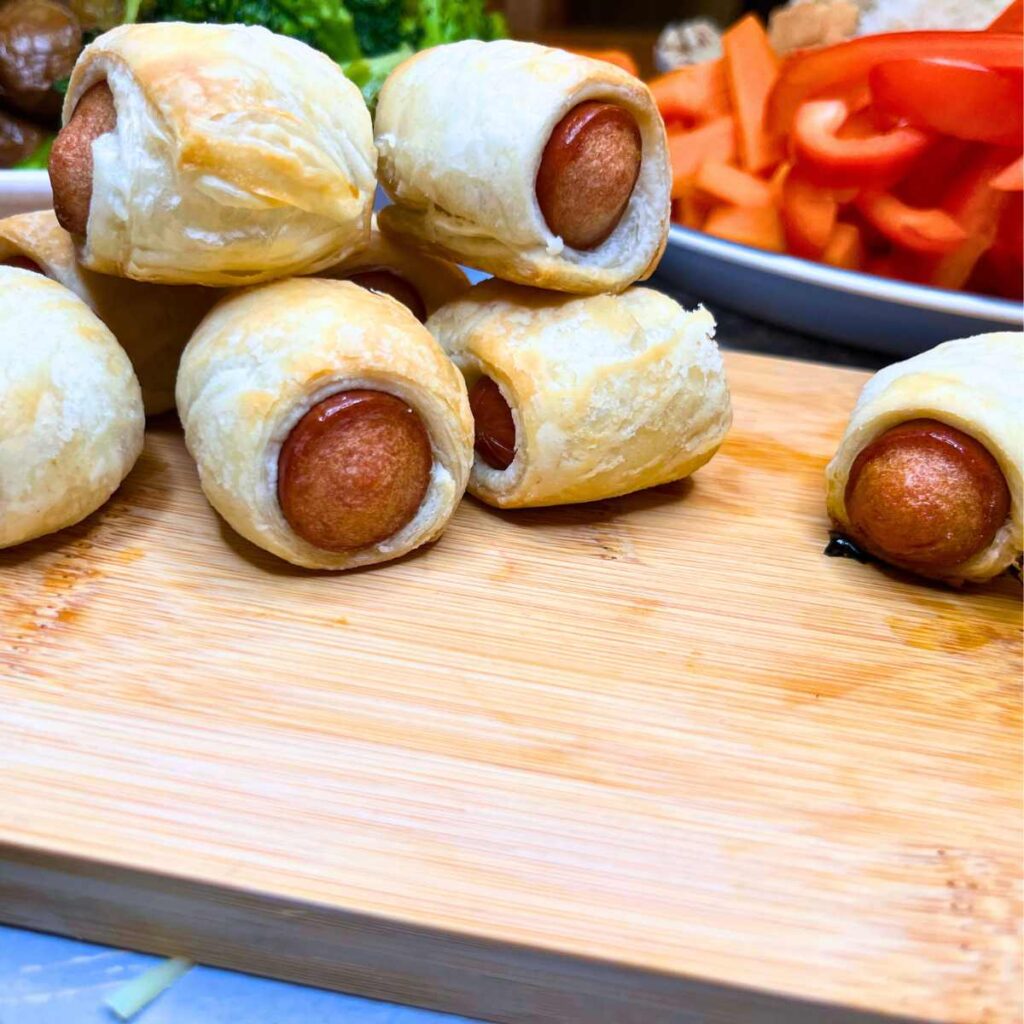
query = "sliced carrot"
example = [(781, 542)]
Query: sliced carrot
[(619, 58), (845, 248), (692, 94), (757, 226), (1011, 178), (1011, 20), (692, 207), (778, 179), (715, 140), (808, 215), (731, 185), (751, 68)]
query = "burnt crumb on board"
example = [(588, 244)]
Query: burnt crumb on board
[(840, 546)]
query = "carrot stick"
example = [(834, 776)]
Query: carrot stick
[(715, 140), (751, 68), (757, 226), (731, 185), (845, 248), (692, 94)]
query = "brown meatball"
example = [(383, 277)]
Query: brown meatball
[(40, 40), (19, 139), (926, 496), (588, 172), (354, 470)]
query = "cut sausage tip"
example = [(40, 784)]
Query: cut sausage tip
[(387, 282), (71, 167), (22, 263), (354, 470), (926, 496), (588, 172), (494, 427)]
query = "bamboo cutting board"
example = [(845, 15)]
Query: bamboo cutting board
[(652, 759)]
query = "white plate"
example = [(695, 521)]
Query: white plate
[(864, 310), (22, 191)]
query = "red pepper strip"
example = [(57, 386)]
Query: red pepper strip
[(873, 160), (965, 100), (808, 215), (928, 231), (832, 68), (1011, 178), (1011, 20), (976, 207)]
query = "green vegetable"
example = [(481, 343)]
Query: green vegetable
[(138, 993), (324, 24), (448, 21), (368, 38), (381, 25), (39, 159), (369, 72)]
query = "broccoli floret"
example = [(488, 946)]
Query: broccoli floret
[(370, 72), (448, 21), (381, 25), (325, 24)]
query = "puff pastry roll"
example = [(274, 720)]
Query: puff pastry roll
[(152, 322), (71, 420), (577, 399), (416, 279), (928, 474), (326, 422), (538, 165), (212, 154)]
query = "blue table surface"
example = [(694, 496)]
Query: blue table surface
[(45, 979)]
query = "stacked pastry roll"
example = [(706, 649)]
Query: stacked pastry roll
[(328, 424), (555, 178)]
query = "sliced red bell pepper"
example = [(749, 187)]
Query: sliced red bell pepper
[(928, 231), (927, 181), (808, 215), (830, 69), (965, 100), (972, 202), (877, 159), (1011, 20), (1010, 178)]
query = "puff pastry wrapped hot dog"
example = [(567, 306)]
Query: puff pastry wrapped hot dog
[(211, 154), (416, 279), (540, 166), (578, 399), (928, 475), (71, 420), (327, 424), (152, 323)]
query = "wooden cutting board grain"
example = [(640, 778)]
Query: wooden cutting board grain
[(650, 759)]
